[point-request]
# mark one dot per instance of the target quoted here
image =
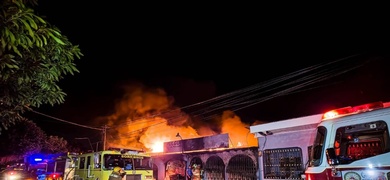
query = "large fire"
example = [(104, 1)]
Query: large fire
[(146, 118)]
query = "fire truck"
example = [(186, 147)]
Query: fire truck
[(352, 143), (51, 166), (99, 165)]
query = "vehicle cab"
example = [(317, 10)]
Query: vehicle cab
[(352, 143)]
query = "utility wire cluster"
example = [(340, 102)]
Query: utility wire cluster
[(295, 82)]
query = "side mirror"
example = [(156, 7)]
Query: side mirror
[(331, 156)]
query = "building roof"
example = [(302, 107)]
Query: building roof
[(295, 124)]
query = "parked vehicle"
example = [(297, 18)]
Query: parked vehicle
[(17, 172), (99, 165), (352, 143), (51, 166)]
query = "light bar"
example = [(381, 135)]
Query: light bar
[(38, 159), (353, 110)]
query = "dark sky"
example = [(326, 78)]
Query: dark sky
[(199, 54)]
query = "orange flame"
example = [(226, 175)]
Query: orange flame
[(145, 118)]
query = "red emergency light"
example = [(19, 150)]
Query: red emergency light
[(353, 110), (55, 176)]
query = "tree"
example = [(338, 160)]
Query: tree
[(34, 57), (21, 139), (27, 138), (55, 144)]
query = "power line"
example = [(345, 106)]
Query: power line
[(58, 119), (246, 97), (293, 83), (322, 71), (104, 130)]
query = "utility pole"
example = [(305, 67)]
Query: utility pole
[(104, 136)]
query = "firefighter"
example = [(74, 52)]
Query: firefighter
[(117, 174)]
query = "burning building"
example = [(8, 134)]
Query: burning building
[(210, 157), (214, 147)]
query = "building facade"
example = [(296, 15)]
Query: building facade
[(205, 158)]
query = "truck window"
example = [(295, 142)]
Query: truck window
[(142, 163), (318, 147), (82, 163), (360, 141), (88, 161), (56, 166), (97, 158), (112, 160), (127, 162)]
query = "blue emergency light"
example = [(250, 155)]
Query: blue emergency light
[(36, 158)]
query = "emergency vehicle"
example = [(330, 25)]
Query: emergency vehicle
[(352, 143), (99, 165), (51, 166)]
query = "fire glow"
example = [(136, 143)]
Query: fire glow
[(158, 146), (159, 121)]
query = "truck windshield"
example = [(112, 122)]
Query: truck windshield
[(318, 147), (127, 162), (360, 141)]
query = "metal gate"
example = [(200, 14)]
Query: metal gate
[(215, 168), (241, 167)]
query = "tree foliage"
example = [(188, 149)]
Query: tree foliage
[(26, 138), (34, 57), (55, 144), (23, 138)]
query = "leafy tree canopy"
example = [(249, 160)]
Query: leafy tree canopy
[(34, 56), (27, 138), (55, 144), (23, 138)]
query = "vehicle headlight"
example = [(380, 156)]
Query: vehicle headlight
[(13, 176)]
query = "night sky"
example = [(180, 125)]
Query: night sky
[(197, 55)]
